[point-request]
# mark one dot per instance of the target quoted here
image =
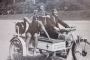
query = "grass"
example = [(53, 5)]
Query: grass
[(64, 15)]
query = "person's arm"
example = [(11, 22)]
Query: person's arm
[(47, 16), (28, 20), (51, 25), (42, 26), (56, 28), (62, 22)]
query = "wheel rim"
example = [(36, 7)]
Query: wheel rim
[(15, 50), (82, 51)]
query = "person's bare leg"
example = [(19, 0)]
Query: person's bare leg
[(28, 35), (35, 43)]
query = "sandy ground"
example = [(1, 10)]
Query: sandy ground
[(7, 31)]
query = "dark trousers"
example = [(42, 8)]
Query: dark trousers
[(52, 33)]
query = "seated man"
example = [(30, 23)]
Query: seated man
[(52, 24), (55, 21), (32, 31)]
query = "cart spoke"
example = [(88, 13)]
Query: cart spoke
[(16, 50)]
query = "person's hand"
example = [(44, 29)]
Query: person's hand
[(49, 38), (47, 16), (56, 28)]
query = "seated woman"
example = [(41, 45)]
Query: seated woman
[(32, 32)]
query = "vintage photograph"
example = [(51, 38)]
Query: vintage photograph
[(44, 29)]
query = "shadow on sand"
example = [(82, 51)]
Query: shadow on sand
[(39, 57)]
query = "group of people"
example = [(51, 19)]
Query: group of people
[(43, 23)]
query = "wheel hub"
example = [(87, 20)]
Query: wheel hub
[(84, 53)]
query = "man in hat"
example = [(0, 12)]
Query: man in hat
[(55, 19), (53, 26)]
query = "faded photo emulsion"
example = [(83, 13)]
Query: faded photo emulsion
[(44, 29)]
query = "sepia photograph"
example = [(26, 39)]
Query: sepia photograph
[(44, 29)]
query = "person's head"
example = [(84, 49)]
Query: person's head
[(54, 12), (42, 8)]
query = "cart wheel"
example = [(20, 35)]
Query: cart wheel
[(81, 51), (15, 50), (46, 53)]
